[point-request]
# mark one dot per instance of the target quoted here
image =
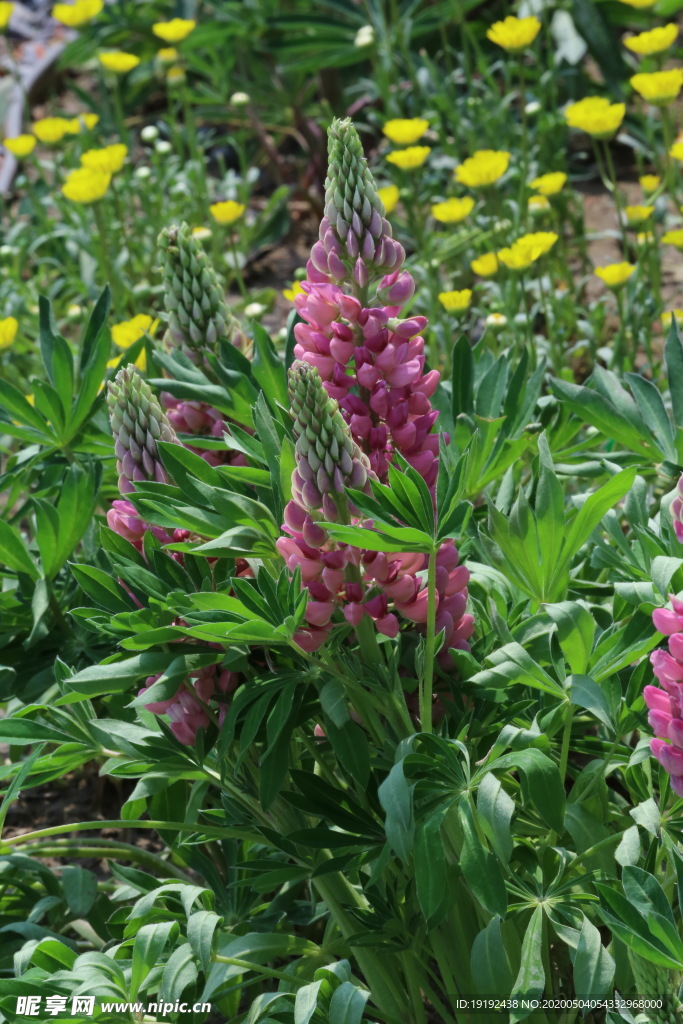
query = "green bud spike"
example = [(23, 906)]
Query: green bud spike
[(137, 423), (328, 459), (198, 316)]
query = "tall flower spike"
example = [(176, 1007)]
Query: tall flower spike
[(327, 457), (137, 422), (355, 237), (198, 316)]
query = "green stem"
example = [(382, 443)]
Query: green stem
[(427, 681), (107, 265)]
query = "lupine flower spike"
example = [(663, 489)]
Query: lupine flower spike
[(137, 422), (355, 237), (327, 457), (198, 315)]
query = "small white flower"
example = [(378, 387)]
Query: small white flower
[(150, 133), (239, 99), (254, 309), (163, 147), (7, 250), (365, 36), (74, 312), (142, 173), (532, 107), (496, 320)]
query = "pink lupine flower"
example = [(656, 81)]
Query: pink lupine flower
[(665, 705), (185, 708)]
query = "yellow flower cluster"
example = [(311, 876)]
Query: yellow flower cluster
[(674, 237), (486, 265), (50, 130), (456, 302), (291, 293), (615, 275), (527, 249), (21, 145), (86, 186), (549, 184), (6, 9), (650, 182), (514, 33), (8, 331), (107, 160), (77, 14), (405, 131), (655, 41), (119, 61), (128, 332), (452, 211), (483, 168), (658, 87), (227, 212), (390, 196), (596, 116), (636, 215), (676, 151), (409, 159), (173, 31)]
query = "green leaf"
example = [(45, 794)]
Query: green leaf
[(541, 783), (179, 973), (148, 946), (479, 866), (347, 1004), (530, 981), (495, 809), (80, 889), (396, 798), (593, 965), (268, 369), (463, 377), (431, 878), (575, 631), (490, 965), (586, 693), (673, 355), (13, 553), (57, 356)]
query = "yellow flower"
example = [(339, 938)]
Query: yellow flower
[(651, 182), (173, 31), (201, 233), (82, 123), (675, 314), (645, 238), (108, 160), (527, 249), (676, 151), (453, 210), (673, 238), (8, 331), (596, 116), (538, 204), (658, 87), (389, 195), (409, 159), (483, 168), (119, 61), (5, 13), (77, 14), (228, 211), (549, 184), (85, 186), (127, 332), (175, 75), (51, 129), (405, 131), (614, 275), (20, 145), (654, 41), (514, 33), (486, 265), (637, 214), (167, 55), (640, 4), (291, 293), (456, 302)]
